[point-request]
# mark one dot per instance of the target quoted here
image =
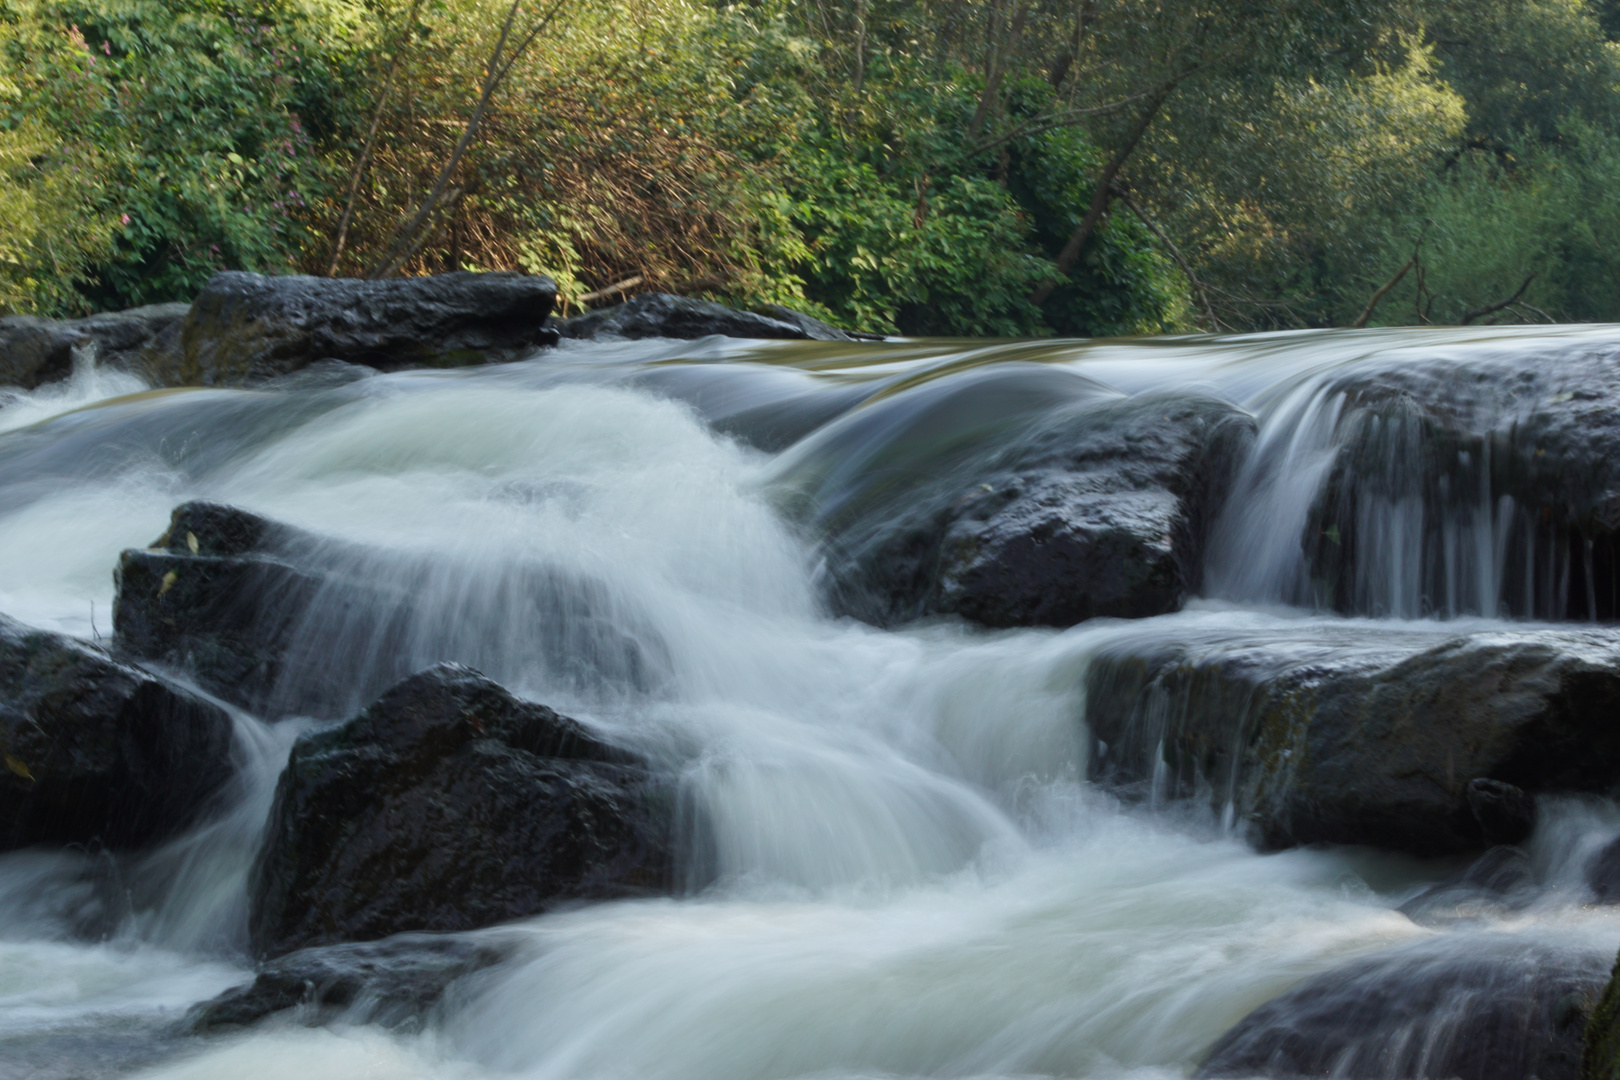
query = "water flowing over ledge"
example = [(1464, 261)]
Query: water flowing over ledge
[(761, 566)]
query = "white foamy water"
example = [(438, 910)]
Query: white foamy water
[(914, 879)]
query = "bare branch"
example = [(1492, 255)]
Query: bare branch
[(403, 242), (1366, 312), (370, 142), (1124, 196), (610, 290), (1491, 309)]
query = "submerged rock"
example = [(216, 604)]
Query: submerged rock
[(661, 315), (449, 805), (1499, 882), (1490, 1008), (35, 351), (1355, 734), (97, 752), (1071, 506), (392, 982), (282, 621), (1489, 484), (248, 327)]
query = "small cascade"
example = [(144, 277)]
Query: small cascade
[(1327, 731)]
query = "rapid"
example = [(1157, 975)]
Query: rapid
[(912, 875)]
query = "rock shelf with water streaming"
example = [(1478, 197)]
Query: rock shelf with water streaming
[(668, 704)]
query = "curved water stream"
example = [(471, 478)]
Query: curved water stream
[(915, 880)]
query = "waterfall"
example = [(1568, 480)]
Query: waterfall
[(913, 872)]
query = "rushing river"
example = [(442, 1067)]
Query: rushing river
[(914, 877)]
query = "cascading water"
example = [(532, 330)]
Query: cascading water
[(912, 875)]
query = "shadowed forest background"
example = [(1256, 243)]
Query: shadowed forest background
[(954, 167)]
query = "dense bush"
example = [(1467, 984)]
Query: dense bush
[(952, 167)]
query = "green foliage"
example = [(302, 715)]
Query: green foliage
[(1480, 229), (949, 259), (47, 240), (188, 113), (913, 166), (1525, 66)]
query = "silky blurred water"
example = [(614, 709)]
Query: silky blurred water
[(914, 880)]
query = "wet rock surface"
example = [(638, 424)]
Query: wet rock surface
[(392, 982), (661, 315), (35, 351), (216, 596), (1522, 443), (97, 752), (1095, 509), (1499, 1010), (450, 805), (281, 621), (1359, 735), (244, 328)]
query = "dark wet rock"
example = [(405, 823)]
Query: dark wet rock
[(1603, 873), (281, 621), (245, 328), (813, 328), (1501, 881), (1506, 814), (1525, 440), (214, 595), (96, 752), (1482, 1008), (450, 805), (661, 315), (1357, 734), (35, 351), (392, 982), (1091, 507)]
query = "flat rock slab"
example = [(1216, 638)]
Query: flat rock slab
[(97, 752), (244, 328), (450, 805), (1349, 733)]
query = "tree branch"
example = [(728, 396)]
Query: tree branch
[(1490, 309), (1366, 312), (1124, 196), (1100, 196), (403, 242), (370, 142)]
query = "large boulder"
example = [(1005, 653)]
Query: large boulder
[(281, 621), (1481, 1007), (1487, 482), (1418, 740), (449, 805), (661, 315), (248, 327), (1019, 496), (392, 982), (35, 351), (96, 752)]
